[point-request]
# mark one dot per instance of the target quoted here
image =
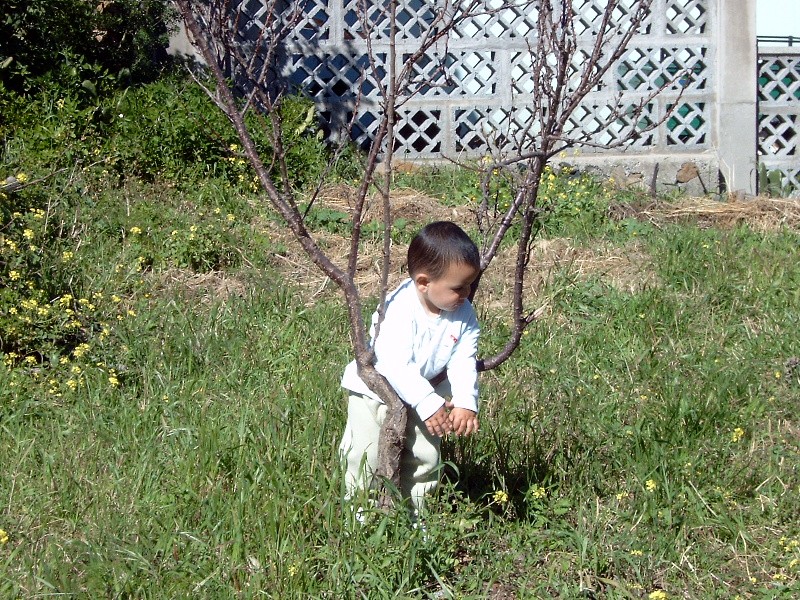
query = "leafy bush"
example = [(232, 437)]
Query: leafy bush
[(572, 202), (42, 313), (72, 265), (168, 129), (575, 202), (54, 43), (171, 127)]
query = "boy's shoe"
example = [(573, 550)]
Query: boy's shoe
[(419, 526), (360, 516)]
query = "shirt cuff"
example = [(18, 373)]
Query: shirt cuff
[(429, 405), (468, 403)]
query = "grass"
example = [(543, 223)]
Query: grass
[(639, 442)]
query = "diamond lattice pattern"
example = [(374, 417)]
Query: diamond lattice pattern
[(779, 115), (473, 90)]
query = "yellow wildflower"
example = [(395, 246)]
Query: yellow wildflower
[(651, 485), (500, 496), (22, 177), (135, 231), (657, 595), (538, 492), (3, 536), (113, 381), (737, 434)]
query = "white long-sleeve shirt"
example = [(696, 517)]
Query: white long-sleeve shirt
[(413, 347)]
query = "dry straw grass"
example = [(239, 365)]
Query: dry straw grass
[(760, 214), (407, 204), (202, 287), (627, 267), (413, 206)]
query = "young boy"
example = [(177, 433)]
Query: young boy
[(429, 327)]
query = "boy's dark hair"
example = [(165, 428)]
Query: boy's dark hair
[(439, 245)]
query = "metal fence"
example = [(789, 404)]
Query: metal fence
[(779, 118)]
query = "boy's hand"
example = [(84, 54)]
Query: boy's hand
[(463, 421), (439, 423)]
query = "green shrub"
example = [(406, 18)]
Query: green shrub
[(42, 313), (571, 202), (53, 43), (172, 129), (575, 202), (168, 129)]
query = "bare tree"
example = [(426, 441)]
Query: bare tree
[(564, 71)]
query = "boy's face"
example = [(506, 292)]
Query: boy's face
[(447, 292)]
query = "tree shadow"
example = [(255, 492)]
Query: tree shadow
[(478, 474), (288, 52)]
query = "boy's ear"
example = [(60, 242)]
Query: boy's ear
[(421, 280)]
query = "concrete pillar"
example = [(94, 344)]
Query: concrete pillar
[(736, 94), (181, 46)]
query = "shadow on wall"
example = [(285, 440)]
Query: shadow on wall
[(335, 81)]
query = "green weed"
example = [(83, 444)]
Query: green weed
[(180, 439)]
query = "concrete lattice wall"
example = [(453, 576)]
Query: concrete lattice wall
[(482, 83)]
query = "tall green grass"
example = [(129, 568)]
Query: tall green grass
[(180, 441)]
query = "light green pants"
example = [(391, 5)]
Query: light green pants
[(419, 463)]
